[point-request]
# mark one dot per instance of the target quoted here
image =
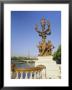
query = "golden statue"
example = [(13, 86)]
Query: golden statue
[(45, 48)]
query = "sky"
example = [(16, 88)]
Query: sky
[(24, 38)]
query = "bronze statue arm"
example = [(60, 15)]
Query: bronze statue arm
[(36, 28), (48, 31)]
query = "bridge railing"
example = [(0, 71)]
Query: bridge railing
[(38, 72)]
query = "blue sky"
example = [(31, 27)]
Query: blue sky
[(24, 38)]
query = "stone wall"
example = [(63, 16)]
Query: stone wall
[(52, 69)]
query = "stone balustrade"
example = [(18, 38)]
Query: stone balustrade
[(37, 72)]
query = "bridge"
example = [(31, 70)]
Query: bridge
[(38, 72)]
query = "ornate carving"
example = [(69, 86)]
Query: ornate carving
[(45, 48)]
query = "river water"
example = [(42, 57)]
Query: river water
[(22, 65)]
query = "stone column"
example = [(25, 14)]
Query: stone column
[(30, 75), (40, 75), (43, 74), (26, 73), (21, 75), (16, 75), (34, 75), (37, 74)]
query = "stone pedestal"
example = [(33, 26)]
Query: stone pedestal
[(52, 69)]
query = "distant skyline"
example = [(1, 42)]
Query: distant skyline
[(24, 38)]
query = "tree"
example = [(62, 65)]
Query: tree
[(57, 55)]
